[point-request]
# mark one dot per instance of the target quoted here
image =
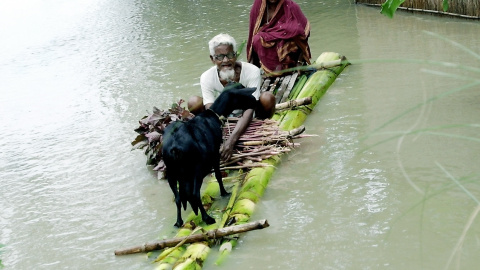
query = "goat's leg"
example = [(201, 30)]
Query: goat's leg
[(205, 217), (179, 222), (197, 202), (218, 175), (173, 186)]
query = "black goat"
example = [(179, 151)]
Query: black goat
[(191, 149)]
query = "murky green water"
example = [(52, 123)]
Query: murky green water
[(392, 180)]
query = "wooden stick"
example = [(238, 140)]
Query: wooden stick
[(293, 79), (212, 234), (245, 166), (296, 131), (293, 103), (315, 66)]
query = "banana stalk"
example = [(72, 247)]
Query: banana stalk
[(316, 85), (173, 256), (193, 257), (298, 86), (252, 189)]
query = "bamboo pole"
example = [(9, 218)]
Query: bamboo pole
[(229, 207), (293, 103), (313, 67), (212, 234)]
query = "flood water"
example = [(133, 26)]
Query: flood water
[(391, 182)]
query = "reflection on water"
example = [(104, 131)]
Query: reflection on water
[(76, 78)]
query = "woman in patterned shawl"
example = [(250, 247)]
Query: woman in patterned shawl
[(278, 35)]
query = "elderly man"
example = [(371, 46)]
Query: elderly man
[(227, 70)]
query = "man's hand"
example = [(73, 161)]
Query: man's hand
[(242, 124), (227, 149)]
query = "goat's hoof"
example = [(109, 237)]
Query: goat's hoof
[(223, 194), (209, 220), (178, 224)]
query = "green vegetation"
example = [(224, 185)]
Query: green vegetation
[(390, 6), (442, 130)]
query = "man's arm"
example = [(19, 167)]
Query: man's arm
[(207, 86), (240, 128)]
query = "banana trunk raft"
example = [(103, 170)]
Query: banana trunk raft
[(248, 186)]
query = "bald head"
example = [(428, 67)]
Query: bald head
[(195, 105)]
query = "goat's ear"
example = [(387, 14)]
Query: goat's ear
[(233, 85)]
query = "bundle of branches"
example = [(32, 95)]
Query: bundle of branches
[(261, 140)]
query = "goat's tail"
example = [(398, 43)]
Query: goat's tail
[(187, 192), (177, 155), (184, 195), (193, 198), (184, 203), (193, 204)]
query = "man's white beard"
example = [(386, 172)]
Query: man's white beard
[(227, 75)]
